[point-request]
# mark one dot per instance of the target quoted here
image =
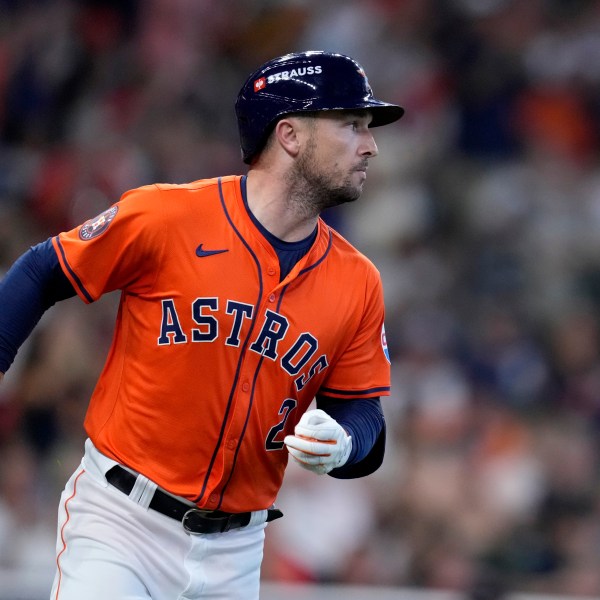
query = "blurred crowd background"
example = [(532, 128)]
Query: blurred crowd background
[(482, 213)]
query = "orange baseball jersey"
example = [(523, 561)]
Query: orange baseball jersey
[(214, 359)]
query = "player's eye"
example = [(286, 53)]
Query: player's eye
[(357, 122)]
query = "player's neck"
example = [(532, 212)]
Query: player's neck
[(270, 201)]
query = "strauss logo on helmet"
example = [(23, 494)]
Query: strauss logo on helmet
[(259, 84)]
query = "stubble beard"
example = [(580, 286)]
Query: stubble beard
[(312, 192)]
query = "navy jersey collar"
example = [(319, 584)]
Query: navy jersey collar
[(277, 243)]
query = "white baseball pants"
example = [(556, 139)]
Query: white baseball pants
[(111, 546)]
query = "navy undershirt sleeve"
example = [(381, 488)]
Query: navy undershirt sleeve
[(364, 421), (33, 284)]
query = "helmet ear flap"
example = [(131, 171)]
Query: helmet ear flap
[(252, 139), (303, 82)]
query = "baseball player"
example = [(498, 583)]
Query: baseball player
[(239, 306)]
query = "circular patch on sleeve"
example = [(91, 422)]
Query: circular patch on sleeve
[(94, 227)]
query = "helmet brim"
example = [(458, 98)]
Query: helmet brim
[(382, 113)]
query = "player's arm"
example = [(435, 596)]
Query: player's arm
[(33, 284), (364, 422), (343, 438)]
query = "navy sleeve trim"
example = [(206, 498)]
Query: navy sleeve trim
[(362, 393), (72, 273)]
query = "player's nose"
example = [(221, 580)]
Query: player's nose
[(369, 147)]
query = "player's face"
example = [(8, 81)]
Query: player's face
[(335, 158)]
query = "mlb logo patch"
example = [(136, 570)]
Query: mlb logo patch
[(384, 345), (259, 84)]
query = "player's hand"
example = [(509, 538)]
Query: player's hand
[(319, 443)]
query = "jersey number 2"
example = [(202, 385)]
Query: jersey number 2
[(286, 408)]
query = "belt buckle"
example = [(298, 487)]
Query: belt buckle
[(188, 515), (220, 524)]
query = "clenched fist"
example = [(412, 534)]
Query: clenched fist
[(319, 443)]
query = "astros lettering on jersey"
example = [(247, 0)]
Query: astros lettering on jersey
[(220, 364)]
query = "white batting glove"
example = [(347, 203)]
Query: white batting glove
[(320, 444)]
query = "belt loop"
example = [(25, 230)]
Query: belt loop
[(143, 491), (258, 517)]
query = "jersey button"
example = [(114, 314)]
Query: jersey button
[(213, 498), (245, 386), (271, 270), (231, 444), (272, 298)]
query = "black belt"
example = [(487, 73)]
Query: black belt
[(194, 520)]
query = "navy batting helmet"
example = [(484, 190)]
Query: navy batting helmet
[(303, 82)]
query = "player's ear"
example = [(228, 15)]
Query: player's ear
[(289, 133)]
